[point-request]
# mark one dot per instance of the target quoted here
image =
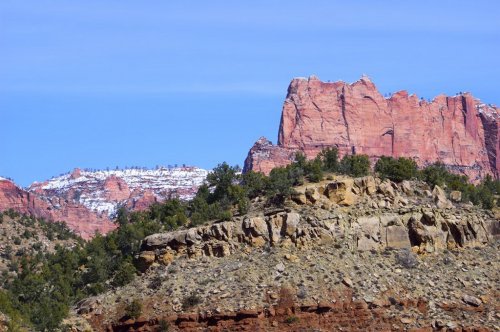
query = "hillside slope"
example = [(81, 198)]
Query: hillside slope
[(353, 254)]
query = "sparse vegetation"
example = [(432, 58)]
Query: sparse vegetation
[(291, 320), (190, 301), (483, 194), (133, 309), (163, 325)]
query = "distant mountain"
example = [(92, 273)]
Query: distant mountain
[(460, 131), (136, 189), (88, 200), (81, 220)]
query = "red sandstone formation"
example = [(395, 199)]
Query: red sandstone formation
[(88, 200), (142, 201), (116, 189), (459, 131), (81, 220)]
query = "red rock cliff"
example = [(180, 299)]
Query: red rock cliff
[(81, 220), (459, 131)]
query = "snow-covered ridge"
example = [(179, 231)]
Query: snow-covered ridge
[(104, 191)]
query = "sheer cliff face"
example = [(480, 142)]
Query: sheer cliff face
[(459, 131)]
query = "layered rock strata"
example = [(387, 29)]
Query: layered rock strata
[(363, 214), (459, 131)]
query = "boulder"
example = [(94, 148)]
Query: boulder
[(292, 220), (440, 199), (340, 192), (456, 196), (397, 237), (366, 185), (369, 236), (386, 189), (145, 260), (256, 226)]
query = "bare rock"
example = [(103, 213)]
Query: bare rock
[(471, 300), (456, 196), (440, 198), (357, 117)]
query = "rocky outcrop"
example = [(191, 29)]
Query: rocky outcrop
[(363, 214), (136, 189), (256, 286), (80, 219), (459, 131), (88, 200)]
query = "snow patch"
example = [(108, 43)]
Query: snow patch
[(89, 190)]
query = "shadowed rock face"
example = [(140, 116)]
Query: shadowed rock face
[(459, 131)]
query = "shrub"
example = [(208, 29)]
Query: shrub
[(396, 169), (190, 301), (163, 325), (156, 282), (222, 179), (37, 245), (291, 320), (279, 185), (125, 274), (482, 194), (435, 174), (355, 165), (253, 183), (134, 309), (330, 158), (314, 170)]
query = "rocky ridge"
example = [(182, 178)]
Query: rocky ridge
[(81, 220), (87, 201), (340, 255), (136, 189), (459, 131)]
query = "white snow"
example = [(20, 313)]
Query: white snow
[(87, 189)]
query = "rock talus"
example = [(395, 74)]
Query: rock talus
[(459, 131)]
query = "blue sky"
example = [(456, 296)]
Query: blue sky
[(96, 84)]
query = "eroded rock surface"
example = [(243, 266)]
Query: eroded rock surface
[(460, 131), (363, 213)]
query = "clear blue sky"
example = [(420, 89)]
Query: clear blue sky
[(101, 83)]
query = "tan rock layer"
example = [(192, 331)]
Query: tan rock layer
[(459, 131), (365, 213)]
